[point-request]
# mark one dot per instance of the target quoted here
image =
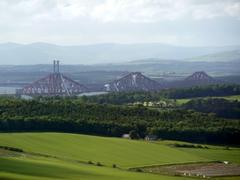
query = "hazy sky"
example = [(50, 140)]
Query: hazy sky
[(181, 22)]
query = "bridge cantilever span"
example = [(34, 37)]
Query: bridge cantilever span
[(54, 84)]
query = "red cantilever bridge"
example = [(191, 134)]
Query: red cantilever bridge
[(55, 84)]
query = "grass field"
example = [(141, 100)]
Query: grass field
[(232, 98), (213, 153), (46, 168), (68, 152), (122, 152)]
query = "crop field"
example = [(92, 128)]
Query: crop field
[(74, 156), (213, 169)]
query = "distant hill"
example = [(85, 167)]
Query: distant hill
[(219, 57), (134, 81), (44, 53)]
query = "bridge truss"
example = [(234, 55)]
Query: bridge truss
[(55, 84)]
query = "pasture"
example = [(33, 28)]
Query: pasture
[(74, 156)]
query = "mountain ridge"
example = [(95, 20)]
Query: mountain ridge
[(41, 53)]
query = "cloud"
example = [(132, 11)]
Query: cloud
[(163, 10), (96, 21), (216, 9), (136, 11)]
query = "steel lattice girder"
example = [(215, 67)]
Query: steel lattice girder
[(52, 85)]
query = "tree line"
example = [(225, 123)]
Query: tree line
[(192, 92), (72, 115), (219, 106)]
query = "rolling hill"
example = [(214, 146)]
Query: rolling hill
[(219, 57), (67, 156), (108, 151), (39, 168), (43, 53)]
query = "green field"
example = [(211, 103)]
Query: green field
[(122, 152), (39, 168), (68, 155), (236, 97), (231, 98), (213, 153)]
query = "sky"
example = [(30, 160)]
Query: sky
[(74, 22)]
